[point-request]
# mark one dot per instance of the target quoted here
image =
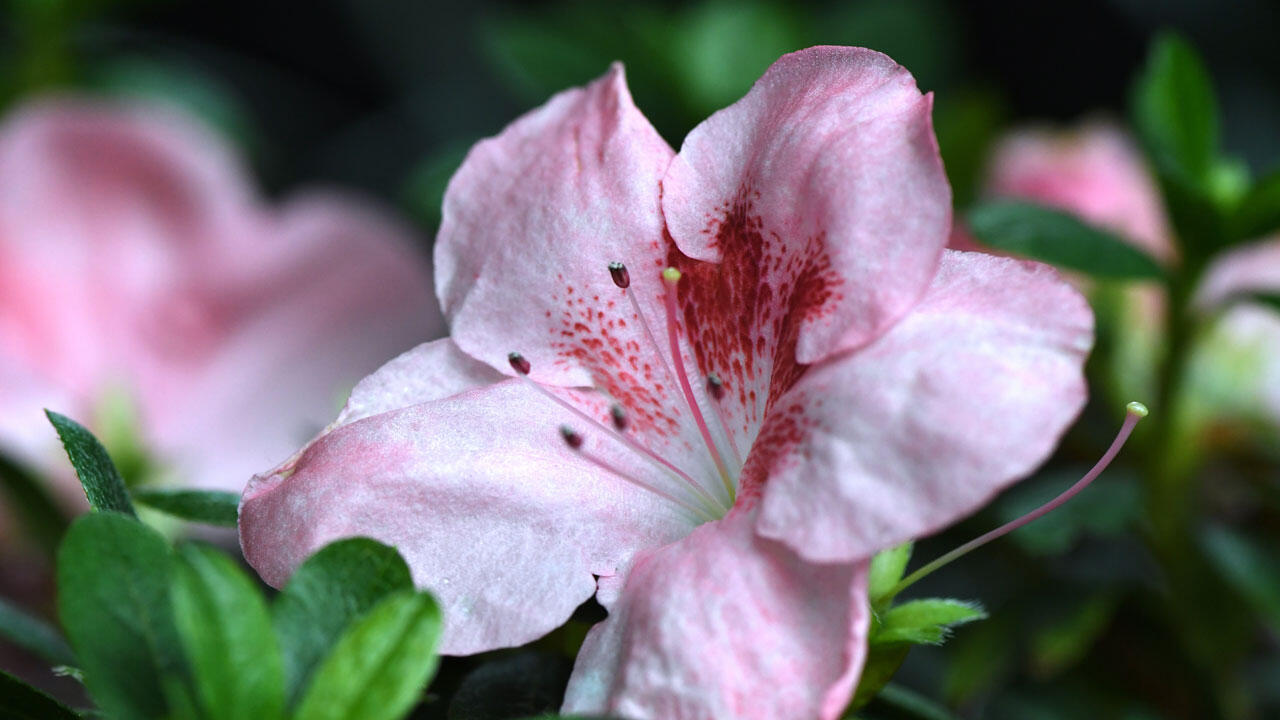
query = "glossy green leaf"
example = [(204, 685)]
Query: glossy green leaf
[(886, 570), (333, 588), (113, 600), (20, 701), (34, 635), (102, 483), (379, 667), (210, 507), (225, 629), (1176, 113), (925, 622), (1060, 239)]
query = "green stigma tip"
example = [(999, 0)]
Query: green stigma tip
[(671, 275), (1137, 408)]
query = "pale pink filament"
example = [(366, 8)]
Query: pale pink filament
[(671, 277), (1136, 411)]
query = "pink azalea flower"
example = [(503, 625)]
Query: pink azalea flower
[(1093, 171), (136, 259), (782, 373)]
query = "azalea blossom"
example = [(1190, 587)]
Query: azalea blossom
[(141, 274), (1094, 172), (703, 387)]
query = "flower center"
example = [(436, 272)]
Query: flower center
[(706, 500)]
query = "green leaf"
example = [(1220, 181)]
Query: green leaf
[(380, 665), (886, 570), (113, 600), (20, 701), (102, 482), (226, 630), (32, 505), (34, 635), (1060, 239), (334, 587), (1176, 117), (925, 622), (882, 664), (203, 506), (1176, 113), (1258, 214)]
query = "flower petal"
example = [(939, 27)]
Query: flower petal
[(702, 625), (494, 514), (532, 220), (334, 289), (86, 186), (1245, 269), (822, 195), (1094, 172), (968, 393), (431, 371)]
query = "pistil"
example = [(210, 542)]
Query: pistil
[(671, 277), (1135, 411)]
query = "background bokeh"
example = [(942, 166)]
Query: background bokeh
[(386, 97)]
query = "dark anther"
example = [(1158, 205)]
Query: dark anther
[(619, 417), (715, 386), (571, 438), (621, 277), (518, 363)]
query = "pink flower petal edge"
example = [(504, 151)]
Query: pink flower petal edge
[(725, 623), (858, 197)]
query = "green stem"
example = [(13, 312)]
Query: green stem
[(1204, 616)]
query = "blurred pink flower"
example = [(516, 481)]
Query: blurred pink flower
[(852, 385), (1093, 171), (137, 260)]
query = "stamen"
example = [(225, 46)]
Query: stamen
[(571, 437), (619, 416), (715, 386), (643, 451), (622, 279), (519, 363), (716, 389), (620, 276), (575, 441), (671, 277), (1135, 411)]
